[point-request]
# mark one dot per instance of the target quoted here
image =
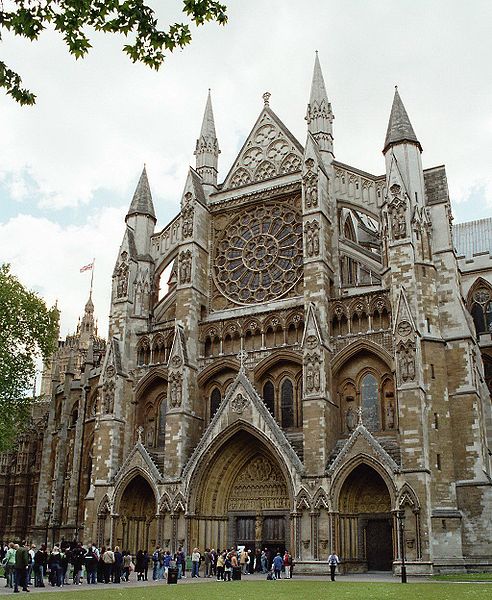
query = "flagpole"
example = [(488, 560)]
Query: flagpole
[(92, 275)]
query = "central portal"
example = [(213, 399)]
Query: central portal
[(243, 499)]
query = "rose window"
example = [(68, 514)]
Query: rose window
[(258, 257)]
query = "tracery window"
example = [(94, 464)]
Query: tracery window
[(370, 402), (215, 400), (287, 403), (269, 396), (258, 256), (481, 310)]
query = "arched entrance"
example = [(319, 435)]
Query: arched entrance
[(242, 497), (136, 522), (366, 530)]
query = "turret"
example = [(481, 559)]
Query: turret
[(141, 217), (319, 115), (207, 149)]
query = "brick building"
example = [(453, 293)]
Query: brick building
[(291, 362)]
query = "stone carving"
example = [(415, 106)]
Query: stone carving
[(312, 342), (258, 255), (239, 403), (351, 419), (122, 277), (306, 544), (397, 214), (258, 527), (313, 373), (175, 390), (406, 361), (187, 215), (107, 398), (323, 544), (185, 259), (311, 230), (390, 416), (259, 486), (176, 362), (404, 328), (310, 180)]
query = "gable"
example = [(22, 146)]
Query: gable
[(269, 151)]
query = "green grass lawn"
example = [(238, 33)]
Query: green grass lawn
[(464, 577), (285, 590)]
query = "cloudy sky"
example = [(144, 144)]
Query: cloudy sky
[(69, 165)]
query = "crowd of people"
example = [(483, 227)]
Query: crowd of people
[(72, 563)]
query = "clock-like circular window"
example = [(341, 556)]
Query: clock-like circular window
[(258, 257)]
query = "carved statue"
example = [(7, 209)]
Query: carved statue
[(175, 390), (312, 238), (350, 419), (310, 185), (258, 528), (406, 361), (122, 281), (185, 266), (390, 416), (187, 214)]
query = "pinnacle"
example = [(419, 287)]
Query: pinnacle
[(318, 89), (208, 125), (399, 127), (142, 198)]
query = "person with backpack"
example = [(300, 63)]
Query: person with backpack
[(55, 566), (91, 558), (333, 561), (227, 568), (78, 556)]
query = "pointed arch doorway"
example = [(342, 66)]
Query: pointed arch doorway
[(136, 526), (366, 529), (242, 497)]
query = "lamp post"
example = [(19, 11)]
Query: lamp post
[(401, 525), (47, 514)]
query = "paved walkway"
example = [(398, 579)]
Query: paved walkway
[(133, 583)]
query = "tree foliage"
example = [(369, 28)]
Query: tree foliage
[(71, 18), (28, 331)]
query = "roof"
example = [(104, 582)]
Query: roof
[(142, 199), (474, 237), (399, 127)]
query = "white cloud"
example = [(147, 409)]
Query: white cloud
[(47, 258)]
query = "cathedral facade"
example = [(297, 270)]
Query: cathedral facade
[(299, 359)]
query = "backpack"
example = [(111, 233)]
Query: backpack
[(155, 556)]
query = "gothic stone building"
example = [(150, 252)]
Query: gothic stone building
[(292, 362)]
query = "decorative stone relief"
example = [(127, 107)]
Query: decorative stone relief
[(239, 403), (351, 419), (313, 373), (310, 181), (397, 209), (122, 277), (187, 216), (175, 390), (311, 230), (406, 361), (404, 328), (258, 254), (185, 259)]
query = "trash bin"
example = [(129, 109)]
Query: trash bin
[(236, 573), (172, 575)]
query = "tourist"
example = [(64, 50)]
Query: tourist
[(78, 556), (118, 564), (167, 563), (195, 562), (264, 562), (288, 564), (180, 562), (220, 566), (146, 564), (213, 561), (156, 561), (207, 559), (108, 564), (100, 565), (22, 559), (32, 552), (55, 567), (228, 567), (91, 560), (243, 561), (8, 563), (40, 565), (333, 561), (277, 565), (140, 565), (127, 565)]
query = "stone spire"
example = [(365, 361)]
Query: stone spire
[(142, 199), (319, 115), (207, 147), (87, 325), (399, 127)]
